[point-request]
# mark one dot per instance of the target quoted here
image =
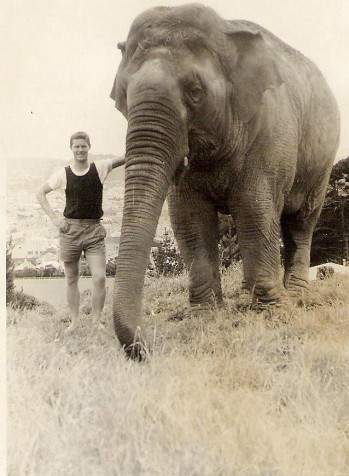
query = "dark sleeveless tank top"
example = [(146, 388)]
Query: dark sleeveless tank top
[(84, 194)]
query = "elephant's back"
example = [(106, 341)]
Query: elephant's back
[(276, 44), (303, 79)]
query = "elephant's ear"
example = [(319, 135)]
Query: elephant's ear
[(122, 46), (252, 71)]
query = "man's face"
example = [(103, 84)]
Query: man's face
[(80, 149)]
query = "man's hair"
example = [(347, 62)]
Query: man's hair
[(80, 135)]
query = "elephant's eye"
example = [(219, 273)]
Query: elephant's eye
[(196, 93)]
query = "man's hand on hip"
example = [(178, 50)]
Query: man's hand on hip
[(62, 225)]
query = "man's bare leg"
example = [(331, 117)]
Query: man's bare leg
[(72, 292), (97, 264)]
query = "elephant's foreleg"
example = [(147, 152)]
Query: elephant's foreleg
[(195, 224), (258, 222)]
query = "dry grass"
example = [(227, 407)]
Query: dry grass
[(231, 393)]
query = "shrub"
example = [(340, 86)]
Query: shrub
[(16, 299), (331, 235), (49, 271), (229, 251), (324, 272), (84, 267), (85, 301), (26, 273), (21, 300), (167, 260), (9, 273), (111, 267)]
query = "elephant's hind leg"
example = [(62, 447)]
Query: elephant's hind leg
[(195, 224), (297, 229), (297, 235)]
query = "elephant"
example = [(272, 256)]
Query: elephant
[(223, 117)]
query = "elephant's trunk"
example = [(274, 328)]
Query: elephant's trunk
[(153, 149)]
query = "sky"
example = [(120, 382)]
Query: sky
[(61, 57)]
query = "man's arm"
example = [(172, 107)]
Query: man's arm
[(117, 161), (54, 217)]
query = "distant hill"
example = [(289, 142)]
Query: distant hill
[(21, 164), (118, 174), (29, 172)]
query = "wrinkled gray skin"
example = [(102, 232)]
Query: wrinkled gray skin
[(260, 129)]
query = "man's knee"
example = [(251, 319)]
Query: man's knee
[(71, 273), (99, 280), (72, 279)]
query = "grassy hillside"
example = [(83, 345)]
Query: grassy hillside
[(231, 393)]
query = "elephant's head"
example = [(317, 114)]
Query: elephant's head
[(187, 83)]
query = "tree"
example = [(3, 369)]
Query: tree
[(16, 299), (331, 235), (111, 267), (50, 271), (228, 244), (10, 286), (167, 259), (84, 267), (26, 273)]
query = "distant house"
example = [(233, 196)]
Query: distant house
[(22, 215), (46, 258), (30, 248), (24, 265), (112, 246), (17, 237), (54, 263), (53, 243), (52, 251), (38, 240), (20, 252)]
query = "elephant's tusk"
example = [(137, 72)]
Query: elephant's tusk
[(185, 161)]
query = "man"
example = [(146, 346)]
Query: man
[(80, 229)]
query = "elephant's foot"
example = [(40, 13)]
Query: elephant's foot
[(198, 309), (297, 288), (178, 314), (300, 295), (260, 306), (297, 279), (268, 294), (194, 310)]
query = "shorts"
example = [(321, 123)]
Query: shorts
[(82, 236)]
